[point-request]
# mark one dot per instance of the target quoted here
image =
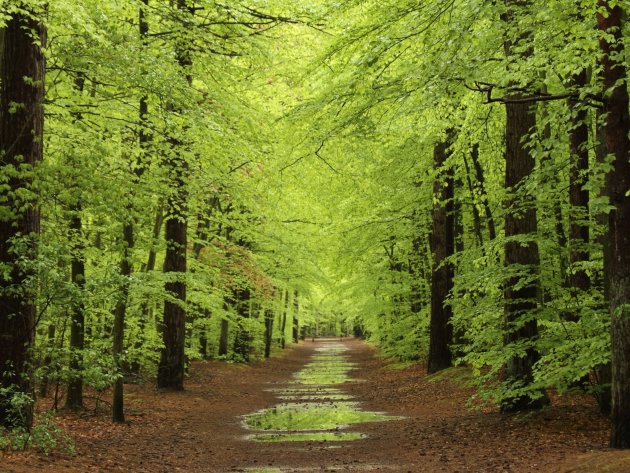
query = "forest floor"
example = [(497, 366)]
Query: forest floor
[(201, 429)]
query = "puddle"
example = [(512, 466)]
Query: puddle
[(314, 408), (308, 437), (316, 397), (312, 416)]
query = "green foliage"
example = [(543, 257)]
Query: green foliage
[(45, 436), (304, 135)]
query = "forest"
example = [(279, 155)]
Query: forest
[(193, 180)]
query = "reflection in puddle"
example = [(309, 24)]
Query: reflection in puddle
[(308, 436), (314, 409), (312, 416)]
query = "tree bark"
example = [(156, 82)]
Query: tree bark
[(269, 316), (242, 339), (172, 360), (481, 182), (283, 323), (118, 333), (223, 337), (521, 292), (21, 134), (602, 374), (520, 221), (50, 345), (578, 196), (442, 247), (296, 321), (473, 198), (616, 130), (74, 397)]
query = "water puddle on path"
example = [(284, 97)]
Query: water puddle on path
[(314, 407)]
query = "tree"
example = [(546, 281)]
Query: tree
[(172, 360), (22, 72), (521, 255), (442, 248), (616, 130)]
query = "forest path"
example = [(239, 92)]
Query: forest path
[(202, 430)]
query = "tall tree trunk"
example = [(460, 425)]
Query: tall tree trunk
[(296, 321), (269, 316), (155, 237), (520, 250), (283, 323), (126, 268), (172, 359), (50, 345), (481, 182), (21, 135), (578, 196), (616, 130), (473, 198), (224, 337), (602, 374), (242, 339), (442, 247), (74, 397), (118, 332)]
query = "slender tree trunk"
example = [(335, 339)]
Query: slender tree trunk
[(21, 135), (521, 292), (616, 130), (481, 182), (203, 344), (283, 323), (126, 268), (118, 333), (520, 299), (155, 237), (578, 196), (224, 337), (74, 397), (296, 321), (45, 382), (602, 374), (172, 360), (269, 316), (442, 247), (473, 198), (242, 339)]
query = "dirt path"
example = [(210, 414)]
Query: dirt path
[(202, 430)]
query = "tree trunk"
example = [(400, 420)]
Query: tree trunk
[(118, 333), (50, 345), (155, 237), (223, 337), (602, 374), (74, 398), (616, 130), (481, 182), (473, 198), (203, 343), (242, 339), (296, 321), (269, 316), (520, 250), (442, 247), (21, 136), (578, 196), (520, 222), (172, 360), (126, 268), (283, 323)]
